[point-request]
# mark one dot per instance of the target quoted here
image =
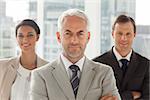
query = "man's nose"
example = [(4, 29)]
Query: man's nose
[(124, 37), (74, 39)]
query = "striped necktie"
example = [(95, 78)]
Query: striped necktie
[(74, 79)]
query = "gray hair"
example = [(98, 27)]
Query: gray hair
[(72, 12)]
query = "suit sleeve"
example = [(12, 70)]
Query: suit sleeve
[(109, 84), (125, 95), (37, 87)]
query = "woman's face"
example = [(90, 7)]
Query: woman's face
[(27, 38)]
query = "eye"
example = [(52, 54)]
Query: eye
[(30, 34), (81, 33), (128, 34), (20, 35), (120, 33), (67, 33)]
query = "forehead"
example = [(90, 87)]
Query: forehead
[(73, 20), (124, 26), (25, 28), (74, 23)]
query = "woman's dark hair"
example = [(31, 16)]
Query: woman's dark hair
[(124, 19), (28, 22)]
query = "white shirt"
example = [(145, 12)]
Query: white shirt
[(20, 88), (119, 57), (67, 64)]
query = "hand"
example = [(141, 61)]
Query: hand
[(136, 94), (109, 97)]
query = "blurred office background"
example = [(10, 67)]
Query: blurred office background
[(101, 13)]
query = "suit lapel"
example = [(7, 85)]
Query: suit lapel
[(41, 62), (86, 79), (131, 68), (116, 68), (62, 78)]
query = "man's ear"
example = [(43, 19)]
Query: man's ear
[(58, 37), (89, 36), (112, 33)]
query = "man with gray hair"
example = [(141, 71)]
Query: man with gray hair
[(73, 76)]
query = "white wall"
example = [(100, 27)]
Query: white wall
[(93, 10)]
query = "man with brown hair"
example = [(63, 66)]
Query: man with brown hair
[(130, 68)]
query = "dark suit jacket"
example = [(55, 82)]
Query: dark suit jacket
[(136, 78)]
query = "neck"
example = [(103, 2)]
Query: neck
[(74, 60), (28, 61), (124, 53)]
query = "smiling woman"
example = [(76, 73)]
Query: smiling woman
[(15, 72)]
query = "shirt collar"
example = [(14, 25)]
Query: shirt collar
[(119, 57), (67, 63)]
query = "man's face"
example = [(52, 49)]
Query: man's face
[(123, 35), (73, 37)]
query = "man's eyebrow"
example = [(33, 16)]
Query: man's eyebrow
[(80, 31), (67, 30), (77, 32)]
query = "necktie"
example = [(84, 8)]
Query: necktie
[(74, 79), (124, 65)]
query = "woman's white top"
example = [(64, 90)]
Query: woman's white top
[(20, 88)]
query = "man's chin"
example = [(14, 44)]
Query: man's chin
[(75, 55), (124, 46)]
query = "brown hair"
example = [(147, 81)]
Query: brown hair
[(29, 22), (124, 19)]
